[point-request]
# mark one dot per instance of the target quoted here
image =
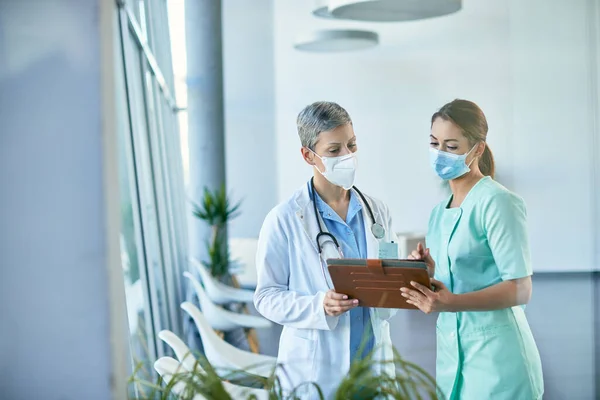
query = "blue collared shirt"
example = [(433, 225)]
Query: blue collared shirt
[(351, 237)]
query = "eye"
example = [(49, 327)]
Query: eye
[(452, 148), (336, 150), (434, 144), (352, 145)]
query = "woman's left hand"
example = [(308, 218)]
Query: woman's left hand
[(427, 300)]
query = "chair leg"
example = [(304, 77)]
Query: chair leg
[(250, 333), (252, 340)]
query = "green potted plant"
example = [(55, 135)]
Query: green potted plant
[(410, 383), (215, 209)]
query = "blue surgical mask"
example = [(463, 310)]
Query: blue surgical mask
[(449, 166)]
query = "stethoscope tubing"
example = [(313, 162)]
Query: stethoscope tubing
[(376, 229)]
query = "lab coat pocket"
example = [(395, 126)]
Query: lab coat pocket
[(308, 334), (297, 354)]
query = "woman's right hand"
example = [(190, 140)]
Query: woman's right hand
[(336, 303), (422, 253)]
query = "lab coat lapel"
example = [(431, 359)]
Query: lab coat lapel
[(372, 241), (306, 214), (308, 220)]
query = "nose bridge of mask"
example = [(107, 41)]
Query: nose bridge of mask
[(331, 162), (447, 155), (341, 162), (452, 156)]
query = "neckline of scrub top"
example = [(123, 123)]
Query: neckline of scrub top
[(447, 207), (327, 212)]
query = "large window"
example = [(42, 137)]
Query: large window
[(178, 52), (153, 234)]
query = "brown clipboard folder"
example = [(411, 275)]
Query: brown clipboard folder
[(377, 283)]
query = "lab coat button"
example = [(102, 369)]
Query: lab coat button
[(453, 334)]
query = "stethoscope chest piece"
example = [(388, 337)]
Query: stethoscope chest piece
[(378, 230)]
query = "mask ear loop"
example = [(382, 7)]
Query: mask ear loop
[(320, 158), (467, 155)]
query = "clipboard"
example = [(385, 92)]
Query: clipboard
[(377, 283)]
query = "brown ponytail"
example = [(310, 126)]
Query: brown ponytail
[(473, 124), (486, 162)]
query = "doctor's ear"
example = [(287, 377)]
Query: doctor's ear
[(308, 156)]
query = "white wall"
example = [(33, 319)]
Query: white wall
[(527, 64), (249, 111), (391, 92), (554, 49)]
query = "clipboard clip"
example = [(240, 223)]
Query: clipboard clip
[(375, 266)]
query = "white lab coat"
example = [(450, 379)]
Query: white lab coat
[(314, 347)]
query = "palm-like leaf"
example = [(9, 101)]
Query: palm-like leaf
[(218, 254), (409, 383), (215, 207), (362, 382), (216, 210)]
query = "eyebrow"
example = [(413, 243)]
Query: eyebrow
[(447, 140), (330, 143)]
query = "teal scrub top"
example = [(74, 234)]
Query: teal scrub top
[(484, 354)]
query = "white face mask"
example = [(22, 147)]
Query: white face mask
[(339, 170)]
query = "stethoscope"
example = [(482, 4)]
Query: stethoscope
[(376, 228)]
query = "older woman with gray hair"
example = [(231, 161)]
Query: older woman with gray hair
[(328, 217)]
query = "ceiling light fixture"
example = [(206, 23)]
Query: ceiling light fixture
[(385, 10), (336, 40)]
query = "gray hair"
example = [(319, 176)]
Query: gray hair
[(319, 117)]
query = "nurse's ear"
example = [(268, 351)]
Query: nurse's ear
[(476, 153), (480, 149)]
